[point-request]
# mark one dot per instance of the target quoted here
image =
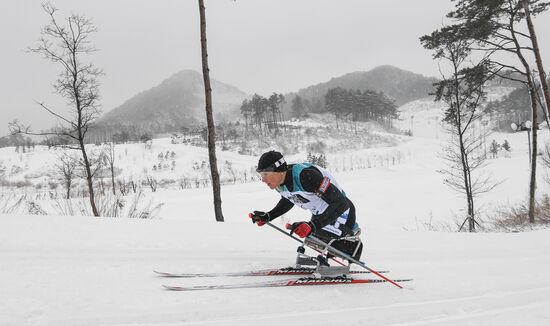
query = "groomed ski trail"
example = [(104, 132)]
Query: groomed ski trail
[(453, 311)]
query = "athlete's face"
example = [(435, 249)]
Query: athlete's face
[(272, 179)]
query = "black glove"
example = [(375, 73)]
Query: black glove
[(260, 218)]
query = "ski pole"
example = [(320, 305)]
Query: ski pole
[(342, 254), (300, 241), (336, 252)]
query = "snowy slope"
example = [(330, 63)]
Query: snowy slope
[(85, 271), (97, 271), (58, 270)]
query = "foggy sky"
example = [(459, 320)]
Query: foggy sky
[(261, 46)]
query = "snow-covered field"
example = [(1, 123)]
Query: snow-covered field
[(59, 270)]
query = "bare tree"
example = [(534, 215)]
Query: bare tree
[(462, 91), (109, 157), (123, 187), (77, 82), (209, 118), (151, 182), (66, 166)]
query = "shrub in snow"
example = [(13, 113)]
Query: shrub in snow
[(506, 145), (494, 148), (515, 219), (320, 160), (34, 209), (15, 169)]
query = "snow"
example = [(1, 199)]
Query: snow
[(85, 271), (76, 270)]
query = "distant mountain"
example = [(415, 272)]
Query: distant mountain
[(177, 101), (401, 85)]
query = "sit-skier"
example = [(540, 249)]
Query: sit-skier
[(312, 188)]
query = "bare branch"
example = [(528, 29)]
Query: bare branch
[(53, 113)]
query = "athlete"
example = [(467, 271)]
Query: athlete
[(312, 188)]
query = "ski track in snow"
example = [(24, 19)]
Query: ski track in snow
[(471, 310)]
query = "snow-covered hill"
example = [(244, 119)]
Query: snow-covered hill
[(177, 101)]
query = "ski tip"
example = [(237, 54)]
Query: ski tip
[(172, 288), (166, 274)]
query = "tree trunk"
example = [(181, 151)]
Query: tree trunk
[(466, 172), (536, 50), (533, 95), (113, 178), (68, 190), (89, 178), (111, 159), (209, 118), (467, 180), (532, 181)]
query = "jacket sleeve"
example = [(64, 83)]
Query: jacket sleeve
[(313, 181), (283, 206)]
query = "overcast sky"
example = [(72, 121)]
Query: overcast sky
[(261, 46)]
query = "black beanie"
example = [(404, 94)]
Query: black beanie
[(271, 161)]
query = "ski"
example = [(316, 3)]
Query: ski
[(262, 272), (303, 281)]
